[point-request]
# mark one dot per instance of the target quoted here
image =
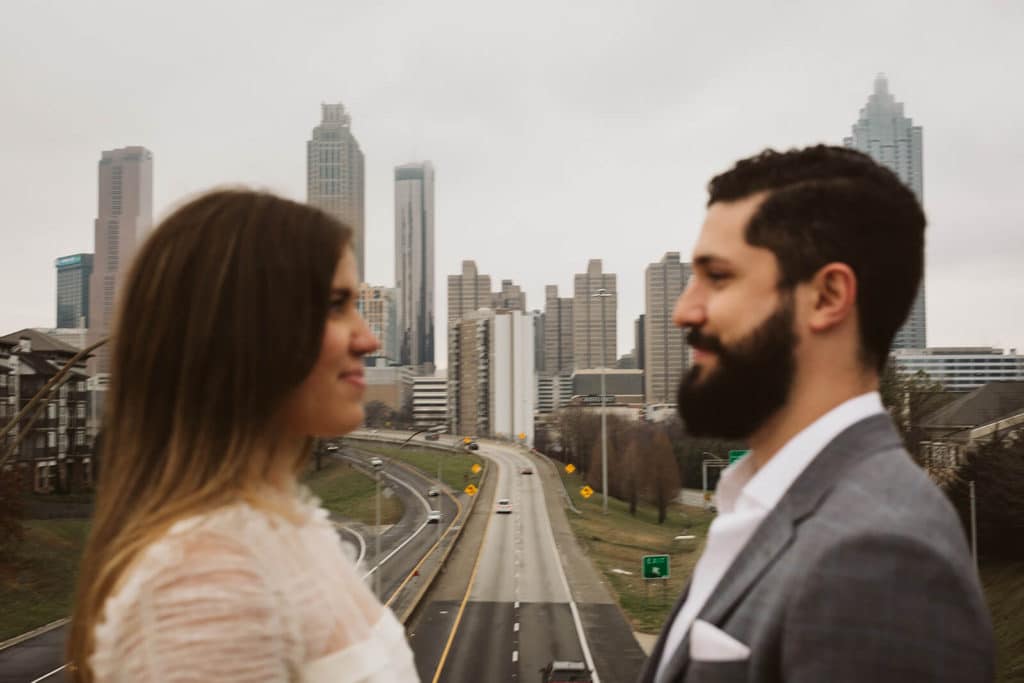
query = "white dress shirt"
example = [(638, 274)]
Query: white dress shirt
[(746, 495)]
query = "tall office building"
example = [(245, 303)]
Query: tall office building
[(73, 274), (558, 328), (123, 219), (379, 306), (510, 298), (889, 137), (538, 341), (334, 175), (414, 263), (594, 318), (491, 383), (638, 341), (467, 292), (665, 348)]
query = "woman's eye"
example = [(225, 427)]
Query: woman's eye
[(717, 277)]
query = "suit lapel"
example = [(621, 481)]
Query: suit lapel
[(651, 665), (776, 532)]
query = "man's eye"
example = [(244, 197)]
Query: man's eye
[(715, 276)]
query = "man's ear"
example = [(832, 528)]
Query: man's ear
[(834, 296)]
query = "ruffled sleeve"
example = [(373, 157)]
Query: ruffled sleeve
[(198, 608)]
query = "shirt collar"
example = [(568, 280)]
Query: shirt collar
[(741, 483)]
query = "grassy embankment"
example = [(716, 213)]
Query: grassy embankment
[(37, 584), (456, 466), (350, 493), (618, 540), (1004, 590)]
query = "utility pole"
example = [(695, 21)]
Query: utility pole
[(376, 574), (603, 294)]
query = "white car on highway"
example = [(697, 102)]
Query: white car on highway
[(434, 517), (503, 506)]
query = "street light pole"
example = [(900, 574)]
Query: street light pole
[(376, 556), (603, 294)]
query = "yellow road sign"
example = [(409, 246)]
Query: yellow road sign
[(586, 492), (476, 469), (570, 468), (470, 490), (466, 439), (522, 436)]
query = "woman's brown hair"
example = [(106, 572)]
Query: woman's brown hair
[(220, 318)]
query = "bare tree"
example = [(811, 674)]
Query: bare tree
[(663, 473)]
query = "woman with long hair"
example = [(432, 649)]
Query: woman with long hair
[(237, 341)]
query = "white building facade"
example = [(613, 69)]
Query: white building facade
[(491, 375), (961, 368), (430, 400)]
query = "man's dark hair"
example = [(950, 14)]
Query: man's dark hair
[(833, 204)]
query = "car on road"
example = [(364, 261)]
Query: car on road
[(434, 517), (376, 463), (332, 447), (432, 491), (432, 437), (565, 672), (473, 446), (526, 470), (503, 506)]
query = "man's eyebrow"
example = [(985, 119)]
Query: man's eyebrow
[(708, 260)]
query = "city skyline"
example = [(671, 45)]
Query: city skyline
[(548, 157)]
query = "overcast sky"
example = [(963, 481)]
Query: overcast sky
[(559, 131)]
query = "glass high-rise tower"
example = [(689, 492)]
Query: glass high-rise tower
[(888, 136), (414, 264), (334, 175)]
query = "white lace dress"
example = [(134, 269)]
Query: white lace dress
[(243, 595)]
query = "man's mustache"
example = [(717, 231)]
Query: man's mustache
[(705, 342)]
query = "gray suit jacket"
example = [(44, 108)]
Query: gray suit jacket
[(860, 573)]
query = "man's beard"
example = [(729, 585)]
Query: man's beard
[(750, 384)]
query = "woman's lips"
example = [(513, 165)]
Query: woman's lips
[(355, 378)]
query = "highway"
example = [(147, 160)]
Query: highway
[(517, 615)]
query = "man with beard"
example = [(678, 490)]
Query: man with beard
[(833, 557)]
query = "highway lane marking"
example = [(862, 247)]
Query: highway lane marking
[(45, 676), (465, 598), (426, 555), (515, 656), (515, 627), (577, 622)]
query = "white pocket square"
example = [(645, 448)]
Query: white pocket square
[(710, 644)]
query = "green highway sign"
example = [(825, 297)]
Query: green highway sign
[(655, 566), (736, 455)]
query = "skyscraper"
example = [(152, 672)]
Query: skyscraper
[(594, 318), (558, 328), (510, 298), (665, 348), (491, 383), (73, 274), (414, 263), (889, 137), (334, 175), (123, 218), (379, 306), (467, 292)]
